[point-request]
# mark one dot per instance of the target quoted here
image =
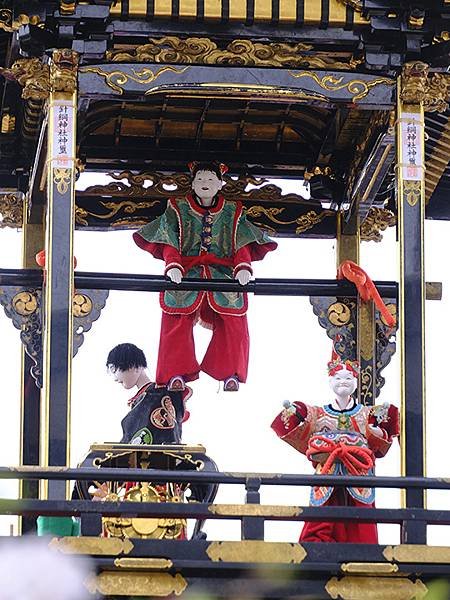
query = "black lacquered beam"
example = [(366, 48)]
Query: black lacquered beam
[(202, 510), (200, 477), (157, 283)]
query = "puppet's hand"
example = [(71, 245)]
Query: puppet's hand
[(243, 276), (175, 274), (376, 430)]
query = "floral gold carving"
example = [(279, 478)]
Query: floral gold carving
[(304, 222), (32, 75), (256, 551), (194, 50), (62, 178), (110, 583), (339, 314), (117, 79), (377, 220), (63, 71), (412, 191), (24, 303), (11, 210), (358, 88), (372, 588)]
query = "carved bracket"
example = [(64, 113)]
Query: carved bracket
[(24, 308), (418, 87), (339, 317), (11, 209)]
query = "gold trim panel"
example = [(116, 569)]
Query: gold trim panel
[(374, 588), (255, 510), (369, 568), (150, 564), (255, 551), (137, 584), (415, 553), (237, 11), (92, 545)]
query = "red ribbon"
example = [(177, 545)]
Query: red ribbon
[(356, 459), (366, 288)]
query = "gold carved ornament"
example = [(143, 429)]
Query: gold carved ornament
[(82, 305), (416, 553), (63, 71), (339, 314), (357, 87), (95, 546), (255, 510), (420, 88), (377, 220), (11, 210), (9, 25), (245, 53), (117, 79), (143, 527), (32, 75)]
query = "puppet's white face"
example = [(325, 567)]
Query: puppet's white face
[(206, 184), (127, 379), (343, 382)]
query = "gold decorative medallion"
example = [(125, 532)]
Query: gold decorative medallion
[(255, 551), (24, 303), (375, 588), (339, 314), (110, 583), (96, 546), (82, 305)]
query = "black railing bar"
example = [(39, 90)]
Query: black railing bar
[(197, 510), (157, 283), (197, 477)]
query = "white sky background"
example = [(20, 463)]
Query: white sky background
[(288, 356)]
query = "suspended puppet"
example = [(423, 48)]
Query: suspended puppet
[(341, 438), (203, 235), (156, 414)]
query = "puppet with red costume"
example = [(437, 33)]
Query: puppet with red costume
[(340, 438), (205, 236)]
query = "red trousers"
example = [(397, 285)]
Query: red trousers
[(226, 355), (340, 531)]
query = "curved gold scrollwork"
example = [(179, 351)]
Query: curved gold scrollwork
[(357, 87), (117, 79), (304, 222)]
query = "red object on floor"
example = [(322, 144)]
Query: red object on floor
[(340, 531)]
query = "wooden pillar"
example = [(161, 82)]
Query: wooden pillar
[(57, 329), (411, 213), (30, 400)]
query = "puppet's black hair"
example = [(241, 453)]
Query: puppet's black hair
[(126, 356)]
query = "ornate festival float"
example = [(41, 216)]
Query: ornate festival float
[(350, 96)]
